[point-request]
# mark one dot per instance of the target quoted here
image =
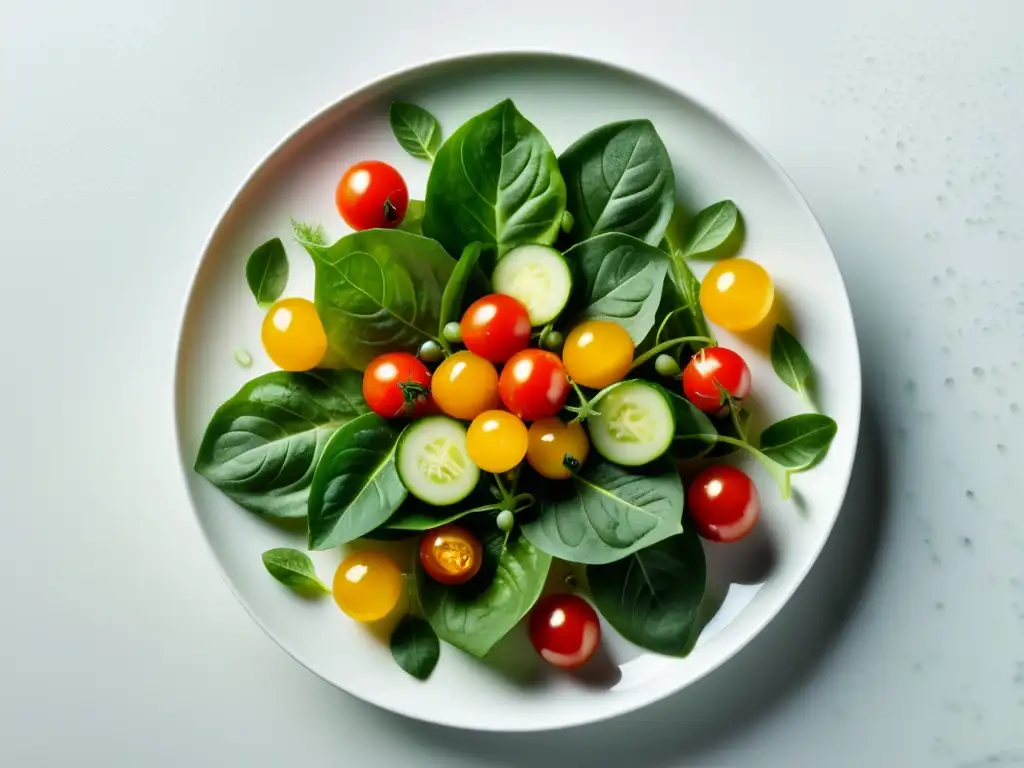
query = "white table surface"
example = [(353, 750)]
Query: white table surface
[(126, 125)]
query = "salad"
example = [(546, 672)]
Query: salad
[(517, 371)]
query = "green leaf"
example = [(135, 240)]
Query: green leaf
[(606, 513), (295, 570), (652, 598), (715, 233), (800, 441), (791, 363), (416, 129), (694, 430), (356, 487), (413, 221), (622, 280), (476, 615), (380, 291), (416, 515), (455, 290), (262, 445), (619, 178), (495, 181), (266, 271), (415, 646)]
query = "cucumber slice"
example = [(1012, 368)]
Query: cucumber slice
[(539, 277), (635, 426), (433, 462)]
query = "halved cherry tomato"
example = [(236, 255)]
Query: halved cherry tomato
[(496, 441), (397, 384), (550, 439), (598, 353), (723, 503), (451, 554), (710, 367), (565, 630), (496, 327), (533, 384), (372, 195), (465, 385)]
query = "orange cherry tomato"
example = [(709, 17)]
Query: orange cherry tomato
[(465, 385), (451, 554)]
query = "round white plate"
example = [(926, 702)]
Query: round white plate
[(565, 98)]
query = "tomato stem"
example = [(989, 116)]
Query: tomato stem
[(585, 409), (666, 345)]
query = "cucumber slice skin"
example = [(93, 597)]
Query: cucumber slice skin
[(417, 438), (652, 434), (543, 308)]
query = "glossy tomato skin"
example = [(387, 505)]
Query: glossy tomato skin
[(451, 554), (372, 195), (711, 365), (533, 384), (565, 630), (397, 384), (465, 385), (497, 441), (723, 503), (367, 585), (549, 440), (598, 353), (496, 327), (293, 336)]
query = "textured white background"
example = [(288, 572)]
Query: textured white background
[(124, 128)]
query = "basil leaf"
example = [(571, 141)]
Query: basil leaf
[(799, 441), (715, 233), (791, 363), (413, 221), (652, 598), (606, 513), (622, 280), (262, 446), (695, 434), (455, 290), (619, 178), (295, 570), (476, 615), (266, 271), (495, 181), (380, 291), (415, 646), (356, 487), (416, 129)]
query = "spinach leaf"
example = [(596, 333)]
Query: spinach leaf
[(415, 646), (791, 363), (606, 513), (295, 570), (355, 487), (621, 279), (476, 615), (495, 181), (653, 597), (416, 129), (798, 442), (694, 431), (380, 291), (266, 271), (715, 233), (455, 290), (413, 221), (262, 446), (619, 178)]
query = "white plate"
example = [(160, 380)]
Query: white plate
[(565, 98)]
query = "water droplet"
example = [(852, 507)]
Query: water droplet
[(949, 301), (978, 371), (1001, 448), (941, 198), (946, 350), (936, 280), (969, 494), (900, 146), (1000, 234), (1014, 408), (950, 272), (898, 168), (242, 357), (950, 382)]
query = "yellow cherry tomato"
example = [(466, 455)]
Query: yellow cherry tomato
[(496, 441), (367, 585), (597, 353), (293, 335), (465, 385), (549, 441), (737, 294)]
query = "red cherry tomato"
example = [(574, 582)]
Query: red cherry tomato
[(707, 369), (397, 384), (723, 503), (565, 630), (496, 327), (533, 384), (372, 195)]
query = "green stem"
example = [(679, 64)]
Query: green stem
[(666, 345), (523, 501), (506, 497), (779, 473)]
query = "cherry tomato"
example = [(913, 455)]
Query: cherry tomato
[(723, 503), (707, 369), (372, 195), (533, 384), (496, 327), (598, 353), (451, 554), (496, 441), (397, 384), (465, 385), (367, 585), (549, 440), (565, 630), (737, 294), (293, 335)]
